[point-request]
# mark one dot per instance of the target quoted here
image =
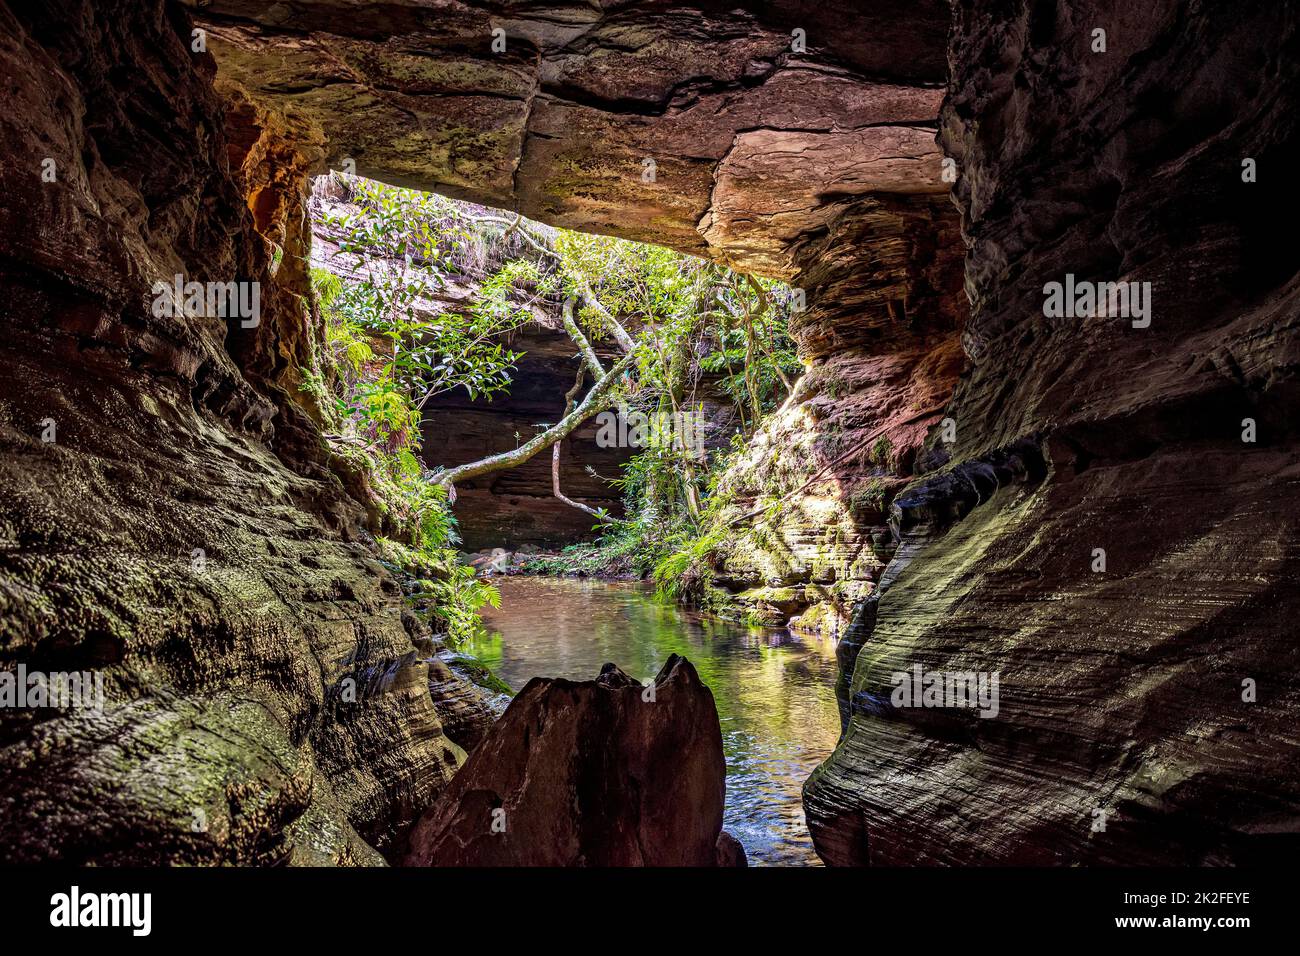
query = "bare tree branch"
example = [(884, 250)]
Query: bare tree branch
[(596, 400), (569, 399), (575, 333)]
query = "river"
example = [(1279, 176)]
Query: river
[(774, 690)]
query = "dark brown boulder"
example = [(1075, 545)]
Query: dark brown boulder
[(590, 773), (729, 852)]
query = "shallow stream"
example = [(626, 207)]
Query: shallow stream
[(774, 690)]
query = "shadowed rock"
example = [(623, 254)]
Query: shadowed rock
[(1128, 731), (226, 739), (590, 773)]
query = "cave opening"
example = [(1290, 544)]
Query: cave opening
[(835, 217), (452, 334), (236, 513)]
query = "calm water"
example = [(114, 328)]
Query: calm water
[(774, 690)]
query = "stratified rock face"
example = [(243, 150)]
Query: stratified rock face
[(594, 773), (1110, 538), (465, 711), (881, 344), (169, 518), (1089, 525), (723, 129)]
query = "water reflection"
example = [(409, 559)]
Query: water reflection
[(774, 690)]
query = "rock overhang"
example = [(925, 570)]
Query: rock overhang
[(727, 131)]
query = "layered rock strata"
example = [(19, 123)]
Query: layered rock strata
[(169, 517), (1115, 533), (1146, 706)]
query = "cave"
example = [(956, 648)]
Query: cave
[(1098, 507)]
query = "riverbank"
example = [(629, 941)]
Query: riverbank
[(821, 610)]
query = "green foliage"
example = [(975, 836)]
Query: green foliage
[(326, 285), (882, 452), (386, 355), (448, 593), (457, 601), (697, 325), (686, 573), (699, 318), (619, 552), (732, 359), (400, 252), (388, 351), (345, 338)]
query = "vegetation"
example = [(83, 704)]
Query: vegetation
[(684, 327), (385, 356), (694, 322)]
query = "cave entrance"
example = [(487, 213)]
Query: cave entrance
[(457, 333), (454, 335)]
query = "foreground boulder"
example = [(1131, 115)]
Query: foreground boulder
[(591, 773)]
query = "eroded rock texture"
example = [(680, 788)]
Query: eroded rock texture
[(1121, 690), (810, 538), (168, 515), (753, 143), (188, 444), (700, 127), (1123, 735), (590, 773)]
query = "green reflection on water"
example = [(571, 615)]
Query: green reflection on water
[(774, 691)]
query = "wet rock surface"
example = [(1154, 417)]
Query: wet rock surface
[(465, 710), (591, 773)]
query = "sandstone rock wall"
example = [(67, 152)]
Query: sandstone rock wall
[(880, 339), (168, 515), (1127, 731), (1121, 735), (754, 143)]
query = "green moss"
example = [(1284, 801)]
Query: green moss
[(767, 595), (479, 673), (870, 499), (882, 452)]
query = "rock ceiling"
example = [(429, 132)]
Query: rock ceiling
[(697, 128)]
